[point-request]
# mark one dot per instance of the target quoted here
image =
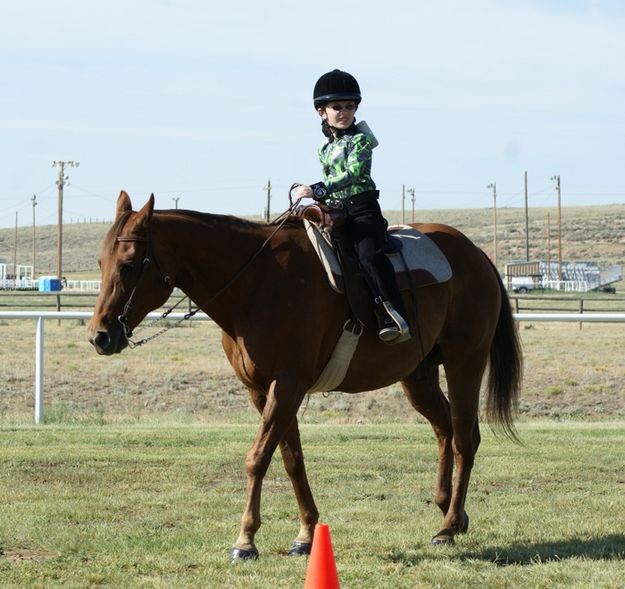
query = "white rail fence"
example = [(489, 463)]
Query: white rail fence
[(41, 316)]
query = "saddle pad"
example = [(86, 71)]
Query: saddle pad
[(418, 263)]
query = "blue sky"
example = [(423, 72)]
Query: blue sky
[(204, 101)]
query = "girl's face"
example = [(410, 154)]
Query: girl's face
[(339, 113)]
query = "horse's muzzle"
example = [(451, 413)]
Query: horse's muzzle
[(105, 344)]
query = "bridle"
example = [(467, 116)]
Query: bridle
[(123, 318)]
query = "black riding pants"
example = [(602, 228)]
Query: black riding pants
[(366, 227)]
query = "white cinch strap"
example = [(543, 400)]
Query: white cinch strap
[(336, 368)]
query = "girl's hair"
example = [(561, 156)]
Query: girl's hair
[(325, 129)]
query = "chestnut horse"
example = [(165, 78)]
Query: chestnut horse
[(280, 322)]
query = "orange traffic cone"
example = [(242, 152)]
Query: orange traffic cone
[(321, 572)]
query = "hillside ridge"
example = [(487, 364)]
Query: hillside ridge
[(589, 233)]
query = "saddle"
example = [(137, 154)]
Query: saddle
[(417, 260)]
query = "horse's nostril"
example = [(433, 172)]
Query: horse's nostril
[(101, 340)]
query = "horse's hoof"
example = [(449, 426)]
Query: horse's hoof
[(465, 524), (237, 554), (443, 538), (446, 536), (300, 548)]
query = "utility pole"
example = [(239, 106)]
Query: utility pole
[(176, 199), (34, 199), (403, 203), (267, 209), (493, 185), (15, 256), (527, 225), (411, 193), (61, 183), (557, 180), (548, 246)]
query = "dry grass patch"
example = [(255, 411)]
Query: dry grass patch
[(184, 376)]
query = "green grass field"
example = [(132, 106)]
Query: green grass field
[(159, 506)]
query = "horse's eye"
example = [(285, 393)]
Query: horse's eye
[(126, 268)]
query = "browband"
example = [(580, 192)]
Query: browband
[(132, 238)]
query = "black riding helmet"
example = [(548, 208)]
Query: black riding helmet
[(336, 85)]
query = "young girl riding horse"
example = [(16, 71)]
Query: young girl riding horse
[(347, 184)]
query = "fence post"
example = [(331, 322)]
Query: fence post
[(581, 310), (39, 372)]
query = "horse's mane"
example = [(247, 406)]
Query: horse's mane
[(207, 219), (214, 218)]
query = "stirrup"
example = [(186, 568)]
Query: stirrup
[(396, 330), (389, 333)]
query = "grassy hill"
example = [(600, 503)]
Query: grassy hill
[(591, 233)]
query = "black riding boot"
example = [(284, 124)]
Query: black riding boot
[(389, 304)]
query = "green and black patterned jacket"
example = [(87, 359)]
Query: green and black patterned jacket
[(346, 164)]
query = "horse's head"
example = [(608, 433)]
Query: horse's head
[(132, 282)]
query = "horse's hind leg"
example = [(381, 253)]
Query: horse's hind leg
[(423, 390), (463, 380)]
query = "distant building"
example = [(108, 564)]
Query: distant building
[(19, 279), (576, 276)]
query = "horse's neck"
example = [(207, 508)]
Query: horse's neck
[(211, 258)]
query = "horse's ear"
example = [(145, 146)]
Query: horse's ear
[(123, 204), (144, 216)]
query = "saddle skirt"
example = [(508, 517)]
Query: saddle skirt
[(417, 260)]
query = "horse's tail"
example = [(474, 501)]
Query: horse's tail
[(505, 368)]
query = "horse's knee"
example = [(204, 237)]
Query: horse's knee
[(256, 465)]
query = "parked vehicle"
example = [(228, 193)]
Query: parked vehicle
[(522, 284)]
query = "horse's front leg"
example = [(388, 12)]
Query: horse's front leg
[(277, 416), (293, 458)]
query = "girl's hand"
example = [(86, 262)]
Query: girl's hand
[(303, 191)]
